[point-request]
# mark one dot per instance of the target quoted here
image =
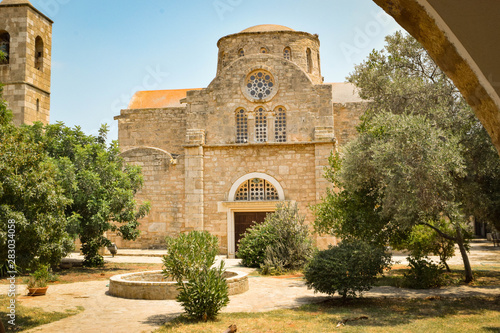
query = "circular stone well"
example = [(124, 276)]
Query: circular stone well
[(153, 285)]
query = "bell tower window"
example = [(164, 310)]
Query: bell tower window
[(39, 53), (241, 126), (4, 47)]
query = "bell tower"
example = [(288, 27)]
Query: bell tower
[(26, 42)]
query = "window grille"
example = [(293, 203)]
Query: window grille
[(260, 125), (241, 126), (256, 189), (280, 125), (287, 53)]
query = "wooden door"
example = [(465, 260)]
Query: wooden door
[(243, 221)]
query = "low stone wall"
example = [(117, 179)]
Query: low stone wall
[(152, 285)]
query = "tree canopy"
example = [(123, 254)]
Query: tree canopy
[(421, 157), (60, 183)]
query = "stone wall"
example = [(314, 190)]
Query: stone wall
[(24, 83), (275, 42), (161, 128), (347, 117), (164, 189)]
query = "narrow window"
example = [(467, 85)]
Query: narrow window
[(37, 105), (309, 60), (263, 50), (260, 125), (4, 47), (39, 53), (287, 53), (241, 126), (280, 124), (241, 53)]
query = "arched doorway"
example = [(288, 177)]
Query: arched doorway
[(250, 198)]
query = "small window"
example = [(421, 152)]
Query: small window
[(241, 53), (287, 53), (280, 124), (260, 125), (309, 60), (4, 47), (256, 189), (37, 105), (241, 126), (263, 50), (39, 53)]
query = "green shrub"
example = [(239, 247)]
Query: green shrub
[(281, 243), (350, 267), (205, 294), (423, 274), (202, 288)]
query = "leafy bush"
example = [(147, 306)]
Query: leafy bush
[(202, 288), (205, 294), (347, 268), (39, 278), (281, 243), (423, 274)]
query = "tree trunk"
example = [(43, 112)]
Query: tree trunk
[(446, 265), (465, 257)]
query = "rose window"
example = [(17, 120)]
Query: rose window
[(260, 84)]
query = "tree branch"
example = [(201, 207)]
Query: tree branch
[(442, 234)]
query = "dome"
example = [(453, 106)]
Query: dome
[(15, 2), (266, 28)]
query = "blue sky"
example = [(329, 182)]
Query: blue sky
[(105, 50)]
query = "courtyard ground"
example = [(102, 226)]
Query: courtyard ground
[(105, 313)]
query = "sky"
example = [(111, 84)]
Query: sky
[(103, 51)]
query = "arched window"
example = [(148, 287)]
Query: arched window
[(241, 126), (287, 53), (260, 125), (241, 53), (5, 46), (309, 60), (263, 50), (39, 53), (280, 124), (256, 189)]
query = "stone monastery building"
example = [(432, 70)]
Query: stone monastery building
[(216, 158), (220, 157)]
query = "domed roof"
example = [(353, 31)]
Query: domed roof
[(266, 28), (15, 2)]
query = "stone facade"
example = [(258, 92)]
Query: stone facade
[(267, 119), (26, 35)]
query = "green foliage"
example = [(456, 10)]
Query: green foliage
[(423, 241), (189, 253), (31, 196), (205, 293), (99, 184), (203, 290), (281, 243), (349, 268), (423, 274), (39, 278)]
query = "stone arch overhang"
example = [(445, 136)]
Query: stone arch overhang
[(154, 149), (467, 56)]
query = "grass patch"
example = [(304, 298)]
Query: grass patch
[(27, 317), (384, 315), (483, 276), (85, 274)]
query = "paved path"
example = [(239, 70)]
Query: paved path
[(104, 313)]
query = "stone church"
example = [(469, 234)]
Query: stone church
[(220, 157)]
